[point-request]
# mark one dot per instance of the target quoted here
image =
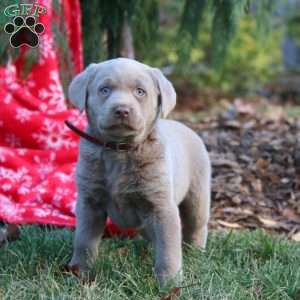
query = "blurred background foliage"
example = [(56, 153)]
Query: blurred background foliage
[(293, 26), (229, 46), (251, 59)]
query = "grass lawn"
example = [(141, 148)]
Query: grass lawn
[(239, 265)]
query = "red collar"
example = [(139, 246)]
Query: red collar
[(121, 147)]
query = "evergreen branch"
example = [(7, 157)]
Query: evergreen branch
[(192, 17), (226, 17), (5, 49), (263, 12)]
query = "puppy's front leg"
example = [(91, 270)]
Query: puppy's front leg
[(167, 244), (89, 229)]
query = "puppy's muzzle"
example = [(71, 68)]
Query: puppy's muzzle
[(121, 117)]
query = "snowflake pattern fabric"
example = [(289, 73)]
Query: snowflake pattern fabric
[(38, 153)]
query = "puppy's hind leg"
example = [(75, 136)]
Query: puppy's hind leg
[(195, 211)]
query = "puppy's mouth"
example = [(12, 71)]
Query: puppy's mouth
[(119, 130), (121, 126)]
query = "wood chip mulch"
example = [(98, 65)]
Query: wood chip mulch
[(256, 170)]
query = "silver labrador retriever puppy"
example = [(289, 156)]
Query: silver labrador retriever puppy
[(160, 184)]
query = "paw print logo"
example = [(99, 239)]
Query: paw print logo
[(24, 31)]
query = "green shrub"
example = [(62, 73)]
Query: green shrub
[(251, 60)]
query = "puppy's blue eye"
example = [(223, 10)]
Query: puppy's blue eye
[(140, 92), (105, 91)]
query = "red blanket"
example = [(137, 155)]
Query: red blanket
[(38, 152)]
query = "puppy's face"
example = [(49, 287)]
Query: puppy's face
[(122, 97), (123, 100)]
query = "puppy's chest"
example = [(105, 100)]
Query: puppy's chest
[(124, 180), (133, 181), (126, 187)]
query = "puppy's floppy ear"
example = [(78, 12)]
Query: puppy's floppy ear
[(167, 91), (78, 87)]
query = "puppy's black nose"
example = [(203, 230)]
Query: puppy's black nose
[(122, 112)]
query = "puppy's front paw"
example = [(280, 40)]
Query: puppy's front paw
[(167, 281), (83, 275), (74, 269)]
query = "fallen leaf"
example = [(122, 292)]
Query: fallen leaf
[(274, 178), (13, 232), (122, 250), (244, 108), (268, 222), (144, 253), (221, 162), (285, 180), (10, 232), (232, 124), (229, 225), (84, 277), (173, 294), (257, 185), (236, 200), (249, 125), (274, 112), (75, 270), (290, 214), (261, 163), (248, 212), (296, 237)]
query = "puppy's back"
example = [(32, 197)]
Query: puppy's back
[(186, 154)]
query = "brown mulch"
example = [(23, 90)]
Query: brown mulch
[(256, 169)]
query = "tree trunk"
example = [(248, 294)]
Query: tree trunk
[(127, 46)]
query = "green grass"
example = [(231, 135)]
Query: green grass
[(244, 265)]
